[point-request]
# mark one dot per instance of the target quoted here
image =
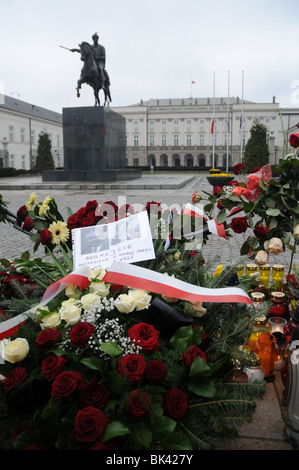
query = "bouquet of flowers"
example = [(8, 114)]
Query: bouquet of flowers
[(270, 207), (103, 366)]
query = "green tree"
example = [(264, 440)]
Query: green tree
[(44, 159), (256, 150)]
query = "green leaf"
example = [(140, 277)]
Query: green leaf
[(5, 262), (175, 441), (51, 409), (25, 256), (202, 387), (115, 429), (182, 338), (110, 348), (221, 217), (199, 368), (163, 426), (92, 363), (273, 212), (143, 434)]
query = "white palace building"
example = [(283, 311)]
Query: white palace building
[(177, 132), (160, 133)]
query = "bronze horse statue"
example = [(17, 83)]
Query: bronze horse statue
[(91, 75)]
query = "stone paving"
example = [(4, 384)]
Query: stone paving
[(266, 431)]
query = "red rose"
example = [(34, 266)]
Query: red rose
[(292, 279), (90, 424), (190, 354), (294, 140), (138, 404), (14, 378), (124, 210), (66, 384), (217, 190), (94, 393), (260, 231), (175, 403), (91, 205), (238, 168), (132, 367), (73, 220), (156, 371), (233, 183), (80, 333), (145, 336), (45, 236), (239, 224), (52, 365), (255, 169), (22, 213), (107, 209), (28, 224), (153, 207), (47, 338), (220, 205)]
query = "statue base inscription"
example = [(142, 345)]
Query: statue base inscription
[(94, 140)]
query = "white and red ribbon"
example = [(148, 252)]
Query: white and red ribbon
[(78, 278), (213, 226), (151, 281), (129, 275)]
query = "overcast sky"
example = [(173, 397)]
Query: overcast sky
[(154, 49)]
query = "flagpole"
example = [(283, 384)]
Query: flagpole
[(213, 140), (227, 140), (242, 111)]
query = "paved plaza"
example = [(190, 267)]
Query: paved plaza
[(266, 430), (171, 189)]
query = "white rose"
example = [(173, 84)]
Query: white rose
[(89, 300), (274, 246), (124, 303), (197, 309), (100, 288), (261, 258), (14, 351), (97, 274), (71, 314), (296, 231), (73, 292), (50, 321), (141, 298)]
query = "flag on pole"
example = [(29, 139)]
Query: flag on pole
[(241, 120), (193, 82), (212, 125)]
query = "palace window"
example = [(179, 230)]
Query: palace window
[(163, 140), (201, 140), (189, 139), (136, 140), (11, 133), (176, 140), (152, 140)]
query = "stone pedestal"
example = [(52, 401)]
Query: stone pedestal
[(94, 141)]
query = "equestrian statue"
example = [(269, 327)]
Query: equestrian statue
[(94, 71)]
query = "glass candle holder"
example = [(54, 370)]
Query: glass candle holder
[(257, 298), (251, 268), (278, 306), (260, 325), (254, 368), (277, 324), (268, 351), (277, 275), (265, 271), (240, 269)]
